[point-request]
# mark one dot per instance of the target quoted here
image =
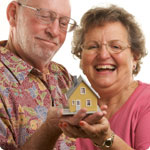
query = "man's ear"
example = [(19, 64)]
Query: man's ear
[(12, 13)]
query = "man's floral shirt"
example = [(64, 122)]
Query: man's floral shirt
[(25, 99)]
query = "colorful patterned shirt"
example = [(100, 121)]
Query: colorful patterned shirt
[(25, 98)]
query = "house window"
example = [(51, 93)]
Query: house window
[(78, 105), (88, 103), (73, 102), (78, 102), (82, 90)]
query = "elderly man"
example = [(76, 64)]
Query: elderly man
[(30, 83)]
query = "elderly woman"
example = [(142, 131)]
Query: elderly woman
[(110, 45)]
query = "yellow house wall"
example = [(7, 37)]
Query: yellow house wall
[(83, 97)]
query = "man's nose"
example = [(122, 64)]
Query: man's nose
[(54, 28)]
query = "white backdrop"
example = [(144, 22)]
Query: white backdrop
[(139, 8)]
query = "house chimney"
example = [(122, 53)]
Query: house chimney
[(75, 80)]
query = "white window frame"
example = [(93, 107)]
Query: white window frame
[(82, 90), (79, 102), (88, 100), (73, 102)]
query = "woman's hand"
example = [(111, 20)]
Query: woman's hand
[(95, 126)]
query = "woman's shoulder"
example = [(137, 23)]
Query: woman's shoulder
[(145, 87), (141, 95)]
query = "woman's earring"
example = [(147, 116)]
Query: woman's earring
[(134, 66)]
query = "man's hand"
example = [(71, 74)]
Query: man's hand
[(53, 117)]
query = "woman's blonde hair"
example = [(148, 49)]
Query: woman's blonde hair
[(99, 16)]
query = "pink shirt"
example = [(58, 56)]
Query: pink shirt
[(131, 122)]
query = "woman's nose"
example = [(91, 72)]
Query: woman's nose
[(103, 51)]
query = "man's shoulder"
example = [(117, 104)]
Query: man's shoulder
[(61, 73), (57, 68)]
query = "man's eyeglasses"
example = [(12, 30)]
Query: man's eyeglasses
[(113, 46), (47, 17)]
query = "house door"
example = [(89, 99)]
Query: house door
[(78, 105)]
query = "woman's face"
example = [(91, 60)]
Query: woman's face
[(102, 67)]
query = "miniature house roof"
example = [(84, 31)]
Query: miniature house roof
[(76, 84)]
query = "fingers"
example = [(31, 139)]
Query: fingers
[(103, 107), (95, 131), (94, 118), (53, 117), (85, 130), (75, 119), (72, 131), (82, 115), (79, 116), (55, 112), (93, 126)]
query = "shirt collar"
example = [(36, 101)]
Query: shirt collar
[(19, 68)]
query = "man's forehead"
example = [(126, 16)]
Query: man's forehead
[(63, 6), (59, 6), (36, 1)]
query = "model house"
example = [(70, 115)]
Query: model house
[(81, 95)]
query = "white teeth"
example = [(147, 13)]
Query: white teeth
[(105, 67)]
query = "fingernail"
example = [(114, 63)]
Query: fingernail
[(60, 125), (104, 112), (81, 123), (64, 125)]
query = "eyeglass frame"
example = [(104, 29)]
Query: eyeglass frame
[(107, 45), (54, 18)]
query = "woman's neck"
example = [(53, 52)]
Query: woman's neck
[(115, 101)]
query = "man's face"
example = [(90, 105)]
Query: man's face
[(35, 41)]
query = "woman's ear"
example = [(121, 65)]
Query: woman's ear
[(12, 13), (134, 66), (135, 62)]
